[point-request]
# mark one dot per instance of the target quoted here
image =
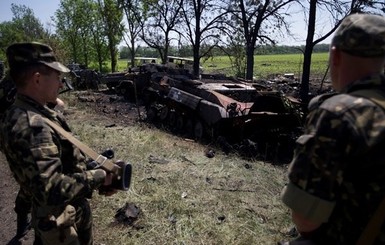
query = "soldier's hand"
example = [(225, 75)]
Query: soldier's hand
[(106, 188), (108, 179), (66, 218)]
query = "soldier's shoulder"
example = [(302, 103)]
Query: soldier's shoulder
[(22, 118), (317, 101), (336, 103)]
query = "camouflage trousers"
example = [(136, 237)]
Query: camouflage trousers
[(23, 203), (80, 233)]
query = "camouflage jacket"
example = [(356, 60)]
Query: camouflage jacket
[(338, 169), (7, 94), (44, 163), (7, 97)]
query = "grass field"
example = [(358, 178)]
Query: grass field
[(265, 65), (186, 198)]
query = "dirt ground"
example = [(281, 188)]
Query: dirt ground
[(8, 192)]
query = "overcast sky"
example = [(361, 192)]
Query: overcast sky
[(44, 9)]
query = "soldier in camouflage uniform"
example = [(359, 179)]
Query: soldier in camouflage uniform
[(47, 166), (23, 200), (336, 177)]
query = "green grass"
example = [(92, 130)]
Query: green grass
[(264, 65), (267, 65)]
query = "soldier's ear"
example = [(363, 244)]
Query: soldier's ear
[(335, 56), (36, 77)]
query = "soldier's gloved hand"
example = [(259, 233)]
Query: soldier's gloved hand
[(67, 218)]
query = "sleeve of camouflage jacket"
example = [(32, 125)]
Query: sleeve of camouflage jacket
[(37, 163)]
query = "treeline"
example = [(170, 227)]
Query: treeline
[(187, 51), (90, 32)]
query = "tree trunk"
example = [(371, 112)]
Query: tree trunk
[(113, 58), (249, 61), (196, 50), (304, 91), (132, 49)]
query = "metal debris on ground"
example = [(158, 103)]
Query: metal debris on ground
[(127, 214)]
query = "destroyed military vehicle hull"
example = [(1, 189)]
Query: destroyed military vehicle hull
[(129, 84), (223, 108), (83, 78)]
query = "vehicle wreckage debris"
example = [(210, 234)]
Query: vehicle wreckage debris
[(256, 119), (127, 214)]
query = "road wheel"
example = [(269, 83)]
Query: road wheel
[(163, 113), (172, 118), (198, 130), (189, 127), (179, 123), (151, 114)]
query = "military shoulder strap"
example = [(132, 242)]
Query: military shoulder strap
[(375, 95), (102, 161)]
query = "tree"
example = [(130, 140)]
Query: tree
[(81, 29), (73, 28), (112, 16), (203, 26), (99, 41), (337, 10), (258, 20), (310, 43), (134, 12), (162, 18), (24, 27)]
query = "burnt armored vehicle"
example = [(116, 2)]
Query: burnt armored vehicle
[(218, 107), (83, 78), (130, 84)]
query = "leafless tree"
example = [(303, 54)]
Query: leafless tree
[(336, 10), (157, 29), (202, 27), (258, 21)]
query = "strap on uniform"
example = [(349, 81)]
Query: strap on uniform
[(102, 161)]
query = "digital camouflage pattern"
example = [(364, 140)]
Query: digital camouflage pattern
[(361, 35), (338, 164), (7, 94), (7, 97), (47, 166)]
